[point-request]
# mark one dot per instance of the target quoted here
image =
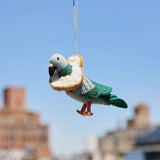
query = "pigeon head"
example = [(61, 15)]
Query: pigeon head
[(58, 63)]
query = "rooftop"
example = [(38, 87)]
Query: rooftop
[(151, 138), (141, 105)]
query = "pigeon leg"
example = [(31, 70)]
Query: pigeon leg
[(82, 111), (89, 109)]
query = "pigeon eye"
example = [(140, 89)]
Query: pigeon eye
[(57, 58)]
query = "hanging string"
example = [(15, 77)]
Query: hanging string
[(75, 10)]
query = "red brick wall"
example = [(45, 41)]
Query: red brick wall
[(20, 128), (15, 99)]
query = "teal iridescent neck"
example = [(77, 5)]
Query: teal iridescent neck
[(66, 71)]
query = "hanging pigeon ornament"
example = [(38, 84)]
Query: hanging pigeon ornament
[(67, 75)]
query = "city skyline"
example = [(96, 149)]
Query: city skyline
[(119, 41)]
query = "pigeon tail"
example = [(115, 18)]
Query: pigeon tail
[(115, 101)]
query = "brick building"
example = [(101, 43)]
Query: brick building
[(19, 128)]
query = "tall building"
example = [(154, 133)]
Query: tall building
[(141, 118), (122, 140), (21, 129)]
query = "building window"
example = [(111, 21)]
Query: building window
[(12, 128), (30, 120), (24, 139), (6, 138), (89, 157), (11, 138), (24, 128)]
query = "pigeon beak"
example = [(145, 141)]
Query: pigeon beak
[(51, 69)]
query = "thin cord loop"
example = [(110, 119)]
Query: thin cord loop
[(75, 10)]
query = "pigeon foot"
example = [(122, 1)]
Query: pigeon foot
[(82, 111), (89, 109), (88, 114)]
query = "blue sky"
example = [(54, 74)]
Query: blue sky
[(120, 44)]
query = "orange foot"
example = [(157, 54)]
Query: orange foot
[(89, 109), (82, 111), (88, 114)]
